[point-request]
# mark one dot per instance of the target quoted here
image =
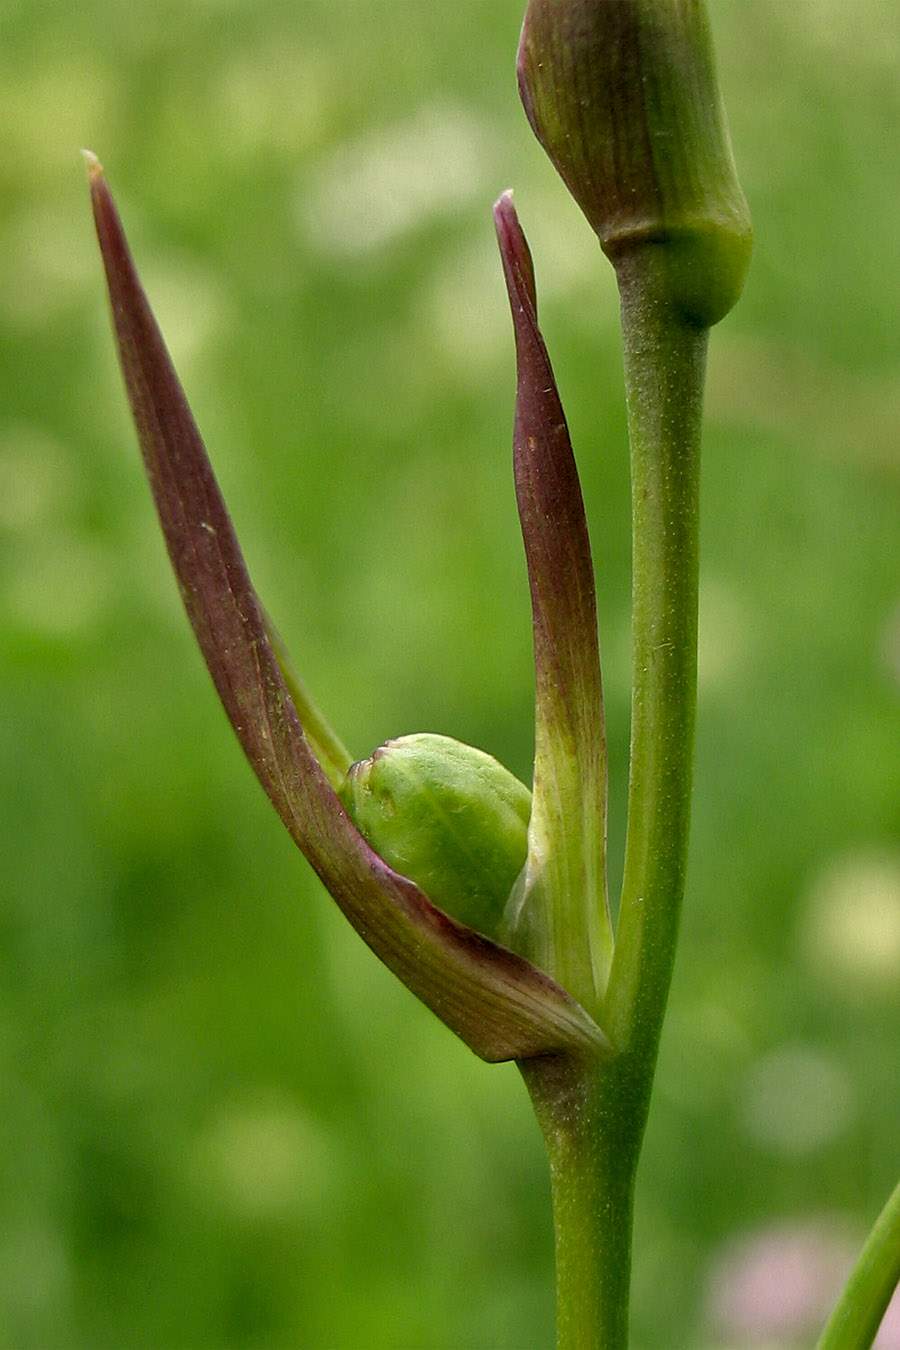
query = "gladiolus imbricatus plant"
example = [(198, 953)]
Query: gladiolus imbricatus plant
[(488, 898)]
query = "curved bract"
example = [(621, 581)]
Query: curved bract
[(501, 1005)]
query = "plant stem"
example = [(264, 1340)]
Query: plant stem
[(859, 1312), (665, 364), (592, 1181), (593, 1114)]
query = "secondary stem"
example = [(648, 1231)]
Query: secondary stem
[(860, 1310)]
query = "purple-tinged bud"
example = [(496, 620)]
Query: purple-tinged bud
[(622, 94)]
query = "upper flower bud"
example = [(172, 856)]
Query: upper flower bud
[(622, 94), (449, 817)]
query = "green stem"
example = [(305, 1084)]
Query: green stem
[(665, 363), (592, 1181), (593, 1114), (859, 1312)]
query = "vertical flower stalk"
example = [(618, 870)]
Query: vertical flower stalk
[(622, 94)]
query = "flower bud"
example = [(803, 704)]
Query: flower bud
[(622, 94), (449, 817)]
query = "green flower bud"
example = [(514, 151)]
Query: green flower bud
[(622, 94), (449, 817)]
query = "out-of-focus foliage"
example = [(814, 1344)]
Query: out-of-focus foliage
[(222, 1123)]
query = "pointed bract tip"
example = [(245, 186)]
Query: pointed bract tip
[(94, 167), (504, 210), (514, 250)]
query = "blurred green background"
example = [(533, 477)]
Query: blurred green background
[(222, 1123)]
